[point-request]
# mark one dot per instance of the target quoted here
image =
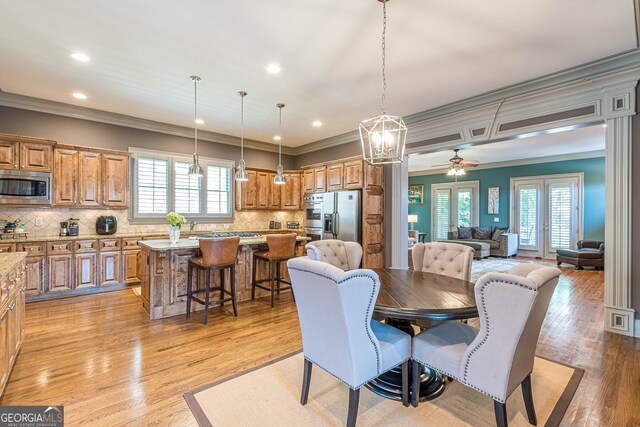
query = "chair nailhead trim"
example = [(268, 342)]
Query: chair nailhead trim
[(364, 382), (367, 316)]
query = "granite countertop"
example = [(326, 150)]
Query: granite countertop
[(9, 261), (159, 233), (165, 245)]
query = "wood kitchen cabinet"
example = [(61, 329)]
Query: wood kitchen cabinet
[(89, 179), (246, 192), (59, 274), (353, 177), (86, 270), (12, 321), (335, 176), (130, 268), (109, 268), (275, 192), (291, 197), (65, 178), (309, 181), (314, 180), (34, 275), (115, 182), (263, 190), (26, 153)]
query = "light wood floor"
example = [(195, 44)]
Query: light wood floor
[(109, 365)]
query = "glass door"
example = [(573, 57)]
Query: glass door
[(561, 223), (454, 205)]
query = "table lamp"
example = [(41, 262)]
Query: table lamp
[(413, 219)]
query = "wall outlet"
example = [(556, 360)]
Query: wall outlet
[(38, 221), (151, 227), (226, 226), (496, 219)]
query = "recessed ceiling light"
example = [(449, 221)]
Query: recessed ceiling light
[(200, 121), (276, 138), (273, 68), (604, 125), (79, 56), (317, 124), (79, 95)]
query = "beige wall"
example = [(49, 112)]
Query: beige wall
[(67, 130), (332, 153)]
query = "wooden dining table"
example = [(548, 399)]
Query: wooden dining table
[(410, 297)]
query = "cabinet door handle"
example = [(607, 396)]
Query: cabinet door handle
[(11, 307), (5, 290), (22, 289)]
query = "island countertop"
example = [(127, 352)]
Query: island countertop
[(166, 245)]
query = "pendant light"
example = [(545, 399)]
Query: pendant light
[(279, 178), (383, 137), (195, 169), (241, 174)]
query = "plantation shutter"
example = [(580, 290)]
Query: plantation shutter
[(152, 185), (528, 216), (442, 213), (218, 190), (186, 189), (561, 215)]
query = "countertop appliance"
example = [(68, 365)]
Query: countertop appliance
[(74, 228), (293, 225), (25, 188), (275, 225), (64, 228), (106, 224), (341, 217)]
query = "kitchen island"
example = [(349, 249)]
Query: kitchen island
[(164, 273)]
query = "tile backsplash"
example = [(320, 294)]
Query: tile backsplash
[(46, 222)]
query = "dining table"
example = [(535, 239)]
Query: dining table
[(409, 298)]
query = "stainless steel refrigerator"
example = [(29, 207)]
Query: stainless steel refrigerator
[(341, 216)]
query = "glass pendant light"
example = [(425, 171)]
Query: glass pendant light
[(279, 178), (383, 137), (241, 174), (195, 169)]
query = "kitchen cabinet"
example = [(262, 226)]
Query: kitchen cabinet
[(65, 178), (115, 182), (291, 197), (335, 176), (353, 177), (7, 247), (109, 268), (263, 190), (320, 179), (59, 273), (89, 179), (12, 322), (314, 180), (26, 153), (275, 192), (130, 268), (246, 192), (86, 270), (34, 275)]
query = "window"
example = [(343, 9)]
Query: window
[(161, 184)]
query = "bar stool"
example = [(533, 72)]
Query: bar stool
[(217, 254), (282, 247)]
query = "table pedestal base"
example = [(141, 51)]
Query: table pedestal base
[(389, 384)]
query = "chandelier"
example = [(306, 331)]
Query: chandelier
[(383, 137), (457, 165)]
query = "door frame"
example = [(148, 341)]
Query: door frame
[(453, 186), (542, 206)]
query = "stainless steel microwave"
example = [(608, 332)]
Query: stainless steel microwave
[(25, 188)]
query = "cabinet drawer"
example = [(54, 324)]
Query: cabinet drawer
[(32, 248), (60, 248), (130, 244), (109, 245), (83, 246), (7, 247)]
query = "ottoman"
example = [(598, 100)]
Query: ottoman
[(589, 253), (481, 249)]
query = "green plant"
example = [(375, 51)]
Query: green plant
[(175, 219)]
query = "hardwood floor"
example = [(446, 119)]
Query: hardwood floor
[(109, 365)]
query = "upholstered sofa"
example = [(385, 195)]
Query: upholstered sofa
[(486, 241)]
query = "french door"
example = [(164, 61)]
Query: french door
[(454, 205), (547, 213)]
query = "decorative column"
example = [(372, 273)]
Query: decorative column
[(619, 314), (399, 212)]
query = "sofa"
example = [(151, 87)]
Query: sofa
[(486, 241), (589, 253)]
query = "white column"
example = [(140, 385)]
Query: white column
[(399, 211), (619, 314)]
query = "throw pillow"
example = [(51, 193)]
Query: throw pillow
[(499, 231), (464, 233), (481, 233)]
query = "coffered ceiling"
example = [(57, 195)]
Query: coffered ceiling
[(142, 53)]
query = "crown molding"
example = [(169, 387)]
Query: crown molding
[(78, 112), (614, 63), (522, 162)]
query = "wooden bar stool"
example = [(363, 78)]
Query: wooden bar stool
[(282, 247), (217, 254)]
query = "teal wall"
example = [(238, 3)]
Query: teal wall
[(593, 170)]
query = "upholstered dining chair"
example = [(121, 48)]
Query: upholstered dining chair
[(338, 335), (344, 255), (448, 259), (497, 358)]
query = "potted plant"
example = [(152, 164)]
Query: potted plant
[(175, 221)]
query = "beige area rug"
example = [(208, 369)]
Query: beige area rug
[(269, 395), (136, 290)]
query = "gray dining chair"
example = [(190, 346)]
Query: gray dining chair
[(448, 259), (338, 335), (499, 357), (344, 255)]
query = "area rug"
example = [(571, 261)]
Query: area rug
[(269, 395)]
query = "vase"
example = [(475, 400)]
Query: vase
[(174, 234)]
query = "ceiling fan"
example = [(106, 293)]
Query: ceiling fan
[(457, 164)]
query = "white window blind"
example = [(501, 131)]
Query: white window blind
[(218, 190), (464, 208), (152, 185), (560, 215), (442, 214), (528, 216), (186, 189)]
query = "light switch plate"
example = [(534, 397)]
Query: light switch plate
[(496, 219), (38, 221)]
